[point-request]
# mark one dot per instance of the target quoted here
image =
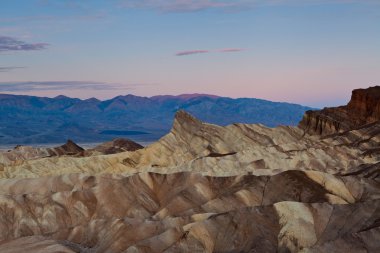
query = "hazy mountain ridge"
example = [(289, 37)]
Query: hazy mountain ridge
[(28, 119)]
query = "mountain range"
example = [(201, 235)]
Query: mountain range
[(29, 119)]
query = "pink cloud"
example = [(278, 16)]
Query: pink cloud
[(224, 50), (190, 52), (230, 50)]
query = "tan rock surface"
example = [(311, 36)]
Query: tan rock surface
[(38, 244), (186, 212)]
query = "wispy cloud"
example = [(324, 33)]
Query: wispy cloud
[(224, 50), (60, 85), (190, 52), (6, 69), (230, 50), (13, 44)]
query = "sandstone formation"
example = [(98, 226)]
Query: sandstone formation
[(207, 188), (365, 103), (363, 108)]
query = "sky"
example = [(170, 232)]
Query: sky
[(311, 52)]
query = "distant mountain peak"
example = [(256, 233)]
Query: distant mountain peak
[(185, 96), (62, 97), (92, 100), (196, 95)]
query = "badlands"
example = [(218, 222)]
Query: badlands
[(204, 188)]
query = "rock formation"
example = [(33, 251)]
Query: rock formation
[(363, 108), (27, 153), (188, 212), (22, 153), (207, 188), (236, 149), (115, 146)]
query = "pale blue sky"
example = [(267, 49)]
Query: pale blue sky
[(312, 52)]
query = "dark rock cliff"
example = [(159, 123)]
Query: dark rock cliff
[(363, 108)]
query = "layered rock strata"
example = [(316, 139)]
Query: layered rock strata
[(187, 212), (363, 108)]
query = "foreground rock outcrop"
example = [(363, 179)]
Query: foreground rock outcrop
[(206, 188), (188, 212)]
